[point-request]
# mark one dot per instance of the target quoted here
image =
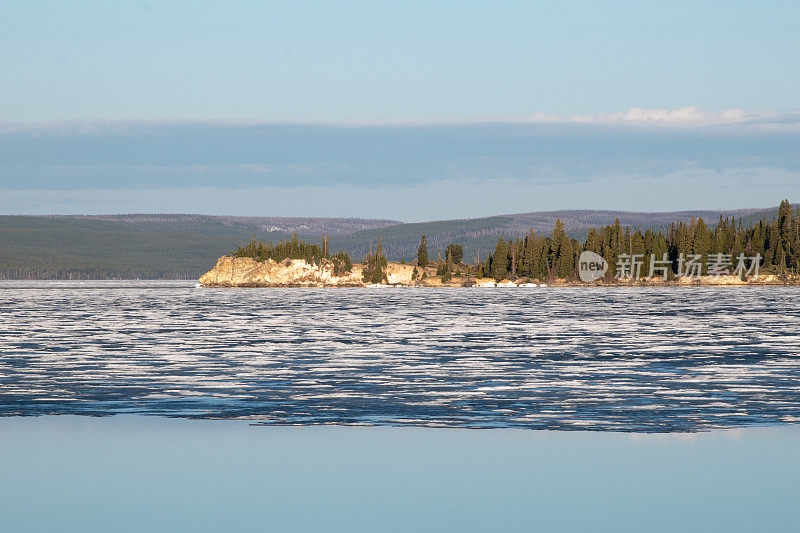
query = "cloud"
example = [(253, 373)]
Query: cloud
[(465, 198), (684, 116), (687, 117), (653, 159)]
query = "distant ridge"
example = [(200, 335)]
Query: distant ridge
[(215, 224), (478, 235), (582, 219), (186, 245), (573, 219)]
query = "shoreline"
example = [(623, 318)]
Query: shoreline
[(673, 285), (244, 272)]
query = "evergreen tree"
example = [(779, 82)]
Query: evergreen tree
[(566, 259), (593, 241), (499, 268), (562, 252), (559, 235), (422, 253), (374, 270), (486, 269), (325, 250), (456, 252), (787, 237), (529, 255), (513, 262), (341, 263), (293, 248), (701, 244), (447, 268)]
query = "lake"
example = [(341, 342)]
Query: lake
[(408, 409), (139, 473), (618, 359)]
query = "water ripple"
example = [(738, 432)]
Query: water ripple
[(618, 359)]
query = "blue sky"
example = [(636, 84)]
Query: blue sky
[(378, 60), (154, 105)]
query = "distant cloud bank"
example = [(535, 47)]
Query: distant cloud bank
[(684, 116), (640, 159), (688, 116)]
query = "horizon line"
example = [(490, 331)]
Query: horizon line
[(749, 210), (683, 117)]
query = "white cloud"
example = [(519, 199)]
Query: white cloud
[(684, 116), (688, 117)]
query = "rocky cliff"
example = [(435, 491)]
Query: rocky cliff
[(246, 272)]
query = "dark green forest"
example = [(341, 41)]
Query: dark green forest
[(296, 248), (293, 248), (44, 248), (186, 246), (776, 241)]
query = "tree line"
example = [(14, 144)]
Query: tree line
[(296, 248), (293, 248), (776, 242)]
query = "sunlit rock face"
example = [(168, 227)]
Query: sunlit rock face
[(246, 272)]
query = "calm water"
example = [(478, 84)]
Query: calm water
[(643, 360), (136, 473)]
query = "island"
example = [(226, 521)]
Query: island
[(294, 263), (683, 254)]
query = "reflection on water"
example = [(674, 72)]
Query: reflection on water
[(675, 359)]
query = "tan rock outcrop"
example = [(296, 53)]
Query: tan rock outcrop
[(247, 272)]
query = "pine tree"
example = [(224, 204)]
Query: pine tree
[(342, 263), (446, 270), (456, 251), (529, 255), (374, 270), (513, 262), (701, 244), (325, 250), (593, 242), (786, 235), (566, 260), (557, 242), (293, 248), (562, 252), (422, 253), (499, 268), (486, 269)]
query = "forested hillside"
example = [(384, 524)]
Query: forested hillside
[(478, 236), (186, 246), (47, 248), (140, 246), (774, 241)]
